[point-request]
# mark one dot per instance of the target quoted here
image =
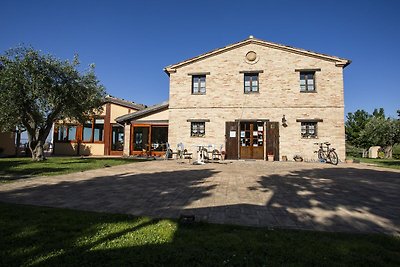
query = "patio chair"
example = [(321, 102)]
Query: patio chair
[(187, 155), (205, 153), (216, 154), (170, 153)]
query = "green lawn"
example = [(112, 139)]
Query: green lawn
[(18, 168), (387, 163), (58, 237)]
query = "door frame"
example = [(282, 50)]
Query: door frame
[(271, 137), (116, 152)]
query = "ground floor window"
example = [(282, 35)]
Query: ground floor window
[(159, 138), (309, 129), (66, 133), (197, 129), (93, 130), (150, 138)]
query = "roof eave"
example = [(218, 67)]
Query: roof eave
[(142, 113), (172, 68)]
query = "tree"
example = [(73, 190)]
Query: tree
[(38, 89), (384, 132), (354, 125), (379, 113)]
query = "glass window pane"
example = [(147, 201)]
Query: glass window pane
[(71, 133), (98, 130), (87, 132), (62, 133), (117, 141), (159, 138)]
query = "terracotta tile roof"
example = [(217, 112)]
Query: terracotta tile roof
[(123, 102)]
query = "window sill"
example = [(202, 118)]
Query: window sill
[(194, 136), (308, 92), (198, 93), (311, 137), (250, 93)]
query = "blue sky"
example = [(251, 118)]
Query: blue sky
[(132, 41)]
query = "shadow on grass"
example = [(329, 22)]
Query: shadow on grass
[(58, 237), (14, 175), (12, 169)]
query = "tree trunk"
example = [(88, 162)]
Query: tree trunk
[(18, 143), (37, 151), (388, 152)]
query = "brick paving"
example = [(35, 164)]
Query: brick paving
[(312, 196)]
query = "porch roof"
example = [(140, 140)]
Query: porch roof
[(143, 113)]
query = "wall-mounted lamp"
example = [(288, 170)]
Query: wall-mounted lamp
[(284, 121)]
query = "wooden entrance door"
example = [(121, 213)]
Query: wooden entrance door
[(251, 140), (273, 139), (231, 140)]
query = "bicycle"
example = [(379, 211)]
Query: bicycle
[(327, 154)]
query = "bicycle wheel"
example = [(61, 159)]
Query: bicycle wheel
[(321, 155), (333, 157)]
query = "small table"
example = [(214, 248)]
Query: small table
[(200, 155)]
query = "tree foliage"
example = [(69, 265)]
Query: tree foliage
[(355, 124), (37, 89), (364, 130), (383, 132)]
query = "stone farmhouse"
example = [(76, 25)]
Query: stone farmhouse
[(255, 99)]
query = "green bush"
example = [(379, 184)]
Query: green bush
[(353, 152)]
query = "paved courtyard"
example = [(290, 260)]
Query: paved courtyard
[(314, 196)]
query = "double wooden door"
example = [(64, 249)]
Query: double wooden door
[(251, 140)]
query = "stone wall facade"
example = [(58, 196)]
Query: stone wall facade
[(279, 94)]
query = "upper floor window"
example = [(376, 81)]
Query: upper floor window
[(199, 84), (307, 81), (197, 129), (250, 82), (309, 129)]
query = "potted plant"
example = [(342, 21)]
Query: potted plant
[(270, 157), (298, 158), (223, 153)]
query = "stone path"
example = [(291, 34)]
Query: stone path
[(313, 196)]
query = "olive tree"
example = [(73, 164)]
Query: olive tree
[(38, 89), (384, 132)]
